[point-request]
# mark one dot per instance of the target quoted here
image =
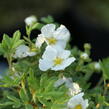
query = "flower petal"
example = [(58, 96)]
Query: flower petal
[(75, 100), (59, 82), (62, 33), (65, 54), (21, 51), (50, 53), (31, 53), (45, 64), (39, 41), (65, 64), (48, 30), (85, 104), (61, 43)]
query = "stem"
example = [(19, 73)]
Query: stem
[(100, 81), (105, 88), (29, 32), (9, 59), (88, 75)]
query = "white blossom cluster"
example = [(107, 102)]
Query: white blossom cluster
[(76, 100), (55, 57)]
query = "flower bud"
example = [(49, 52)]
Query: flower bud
[(84, 56), (30, 20), (87, 46)]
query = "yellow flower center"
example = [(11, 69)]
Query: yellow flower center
[(58, 61), (51, 40), (78, 106)]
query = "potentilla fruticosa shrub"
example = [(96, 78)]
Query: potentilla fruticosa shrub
[(47, 73)]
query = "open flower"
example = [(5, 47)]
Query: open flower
[(77, 102), (23, 51), (73, 88), (55, 59), (30, 20), (55, 37)]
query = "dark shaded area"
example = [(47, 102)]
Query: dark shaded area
[(85, 26), (84, 31)]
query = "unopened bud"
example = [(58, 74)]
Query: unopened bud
[(87, 46)]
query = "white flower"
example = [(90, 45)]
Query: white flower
[(55, 59), (23, 51), (64, 80), (84, 56), (73, 88), (30, 20), (77, 102), (97, 66), (55, 37)]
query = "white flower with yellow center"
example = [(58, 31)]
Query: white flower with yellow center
[(55, 37), (78, 102), (55, 59), (23, 51), (30, 20)]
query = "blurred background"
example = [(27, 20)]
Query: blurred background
[(87, 20)]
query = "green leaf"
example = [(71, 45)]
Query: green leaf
[(16, 101), (101, 99), (29, 106), (6, 103), (33, 81), (23, 95), (8, 45), (16, 39), (43, 80), (58, 106), (1, 50), (7, 81), (48, 19), (37, 26), (105, 68), (7, 41), (16, 35)]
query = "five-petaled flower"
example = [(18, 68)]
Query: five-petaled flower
[(78, 102), (55, 37), (55, 59)]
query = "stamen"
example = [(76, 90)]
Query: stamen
[(51, 40), (78, 106), (58, 61)]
